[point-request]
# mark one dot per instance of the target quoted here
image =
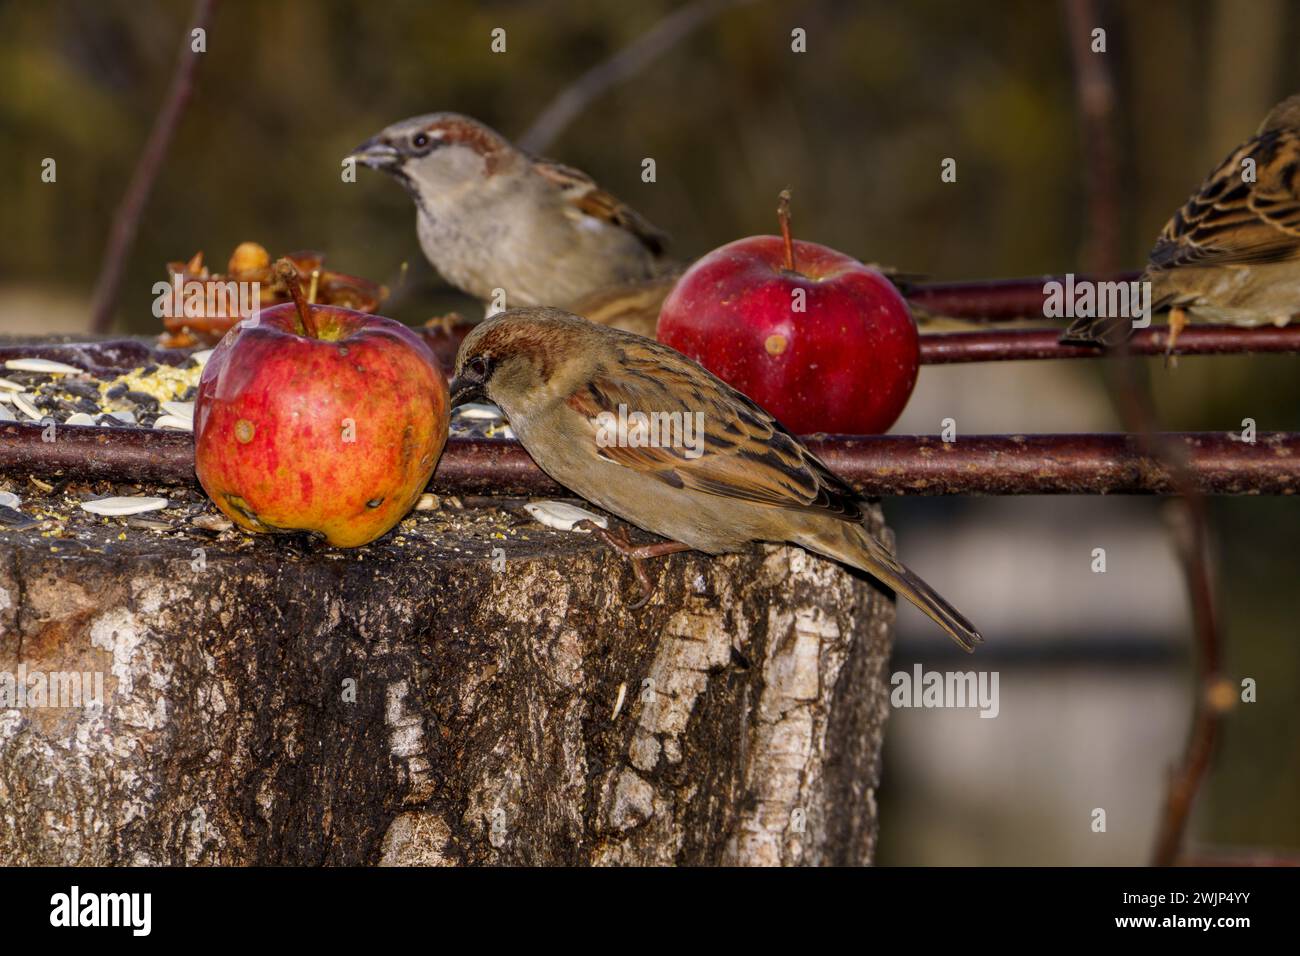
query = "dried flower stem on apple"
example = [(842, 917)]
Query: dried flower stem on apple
[(288, 273), (783, 217)]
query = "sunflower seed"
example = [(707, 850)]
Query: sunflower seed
[(15, 520), (126, 418), (124, 505), (148, 524), (8, 386), (202, 357), (179, 409), (6, 415), (25, 405), (80, 418), (479, 412), (562, 516), (10, 500), (80, 389), (44, 366), (212, 522), (142, 400), (174, 423)]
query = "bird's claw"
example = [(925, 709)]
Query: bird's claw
[(622, 543)]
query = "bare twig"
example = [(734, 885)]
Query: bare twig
[(1095, 95), (633, 58), (126, 219), (1094, 91)]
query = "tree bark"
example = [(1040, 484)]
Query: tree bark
[(424, 701)]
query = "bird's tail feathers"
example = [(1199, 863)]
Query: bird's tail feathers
[(1101, 330), (861, 550)]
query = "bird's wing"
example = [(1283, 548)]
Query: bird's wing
[(585, 198), (746, 453), (1232, 221)]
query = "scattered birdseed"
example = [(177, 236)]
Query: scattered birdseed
[(211, 522), (201, 357), (478, 411), (10, 500), (124, 505), (6, 415), (148, 524), (25, 405), (562, 516), (12, 519), (80, 418), (428, 502), (9, 386), (41, 365), (174, 423), (179, 409)]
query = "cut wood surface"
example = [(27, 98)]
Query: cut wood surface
[(428, 700)]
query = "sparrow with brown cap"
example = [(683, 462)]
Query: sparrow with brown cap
[(563, 381)]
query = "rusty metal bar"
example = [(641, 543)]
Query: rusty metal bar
[(113, 356), (1083, 464), (1019, 345), (993, 300)]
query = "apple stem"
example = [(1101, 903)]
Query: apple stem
[(288, 273), (783, 217)]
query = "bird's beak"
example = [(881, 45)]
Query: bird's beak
[(376, 154), (466, 388)]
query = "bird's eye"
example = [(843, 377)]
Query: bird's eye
[(479, 366), (420, 140)]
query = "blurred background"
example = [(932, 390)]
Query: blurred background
[(1094, 668)]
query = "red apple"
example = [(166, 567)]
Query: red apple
[(847, 363), (319, 418)]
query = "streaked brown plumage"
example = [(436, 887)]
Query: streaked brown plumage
[(554, 375), (490, 216), (1232, 252)]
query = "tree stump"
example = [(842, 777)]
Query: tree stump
[(472, 689)]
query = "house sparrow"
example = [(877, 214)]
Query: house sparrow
[(715, 474), (490, 216), (1232, 252)]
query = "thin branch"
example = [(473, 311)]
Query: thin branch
[(1082, 464), (126, 219), (573, 99), (1094, 91), (1095, 96)]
